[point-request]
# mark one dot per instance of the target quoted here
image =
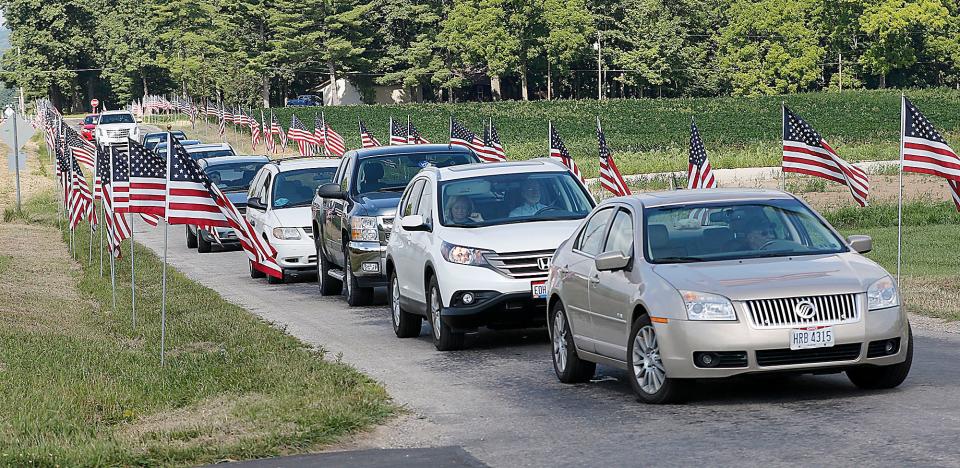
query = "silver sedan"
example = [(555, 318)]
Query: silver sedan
[(695, 284)]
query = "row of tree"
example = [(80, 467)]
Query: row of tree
[(260, 51)]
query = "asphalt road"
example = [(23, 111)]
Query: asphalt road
[(501, 402)]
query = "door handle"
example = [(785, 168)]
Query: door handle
[(594, 280)]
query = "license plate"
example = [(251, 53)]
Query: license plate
[(811, 337), (538, 289)]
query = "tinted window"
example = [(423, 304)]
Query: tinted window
[(233, 177), (197, 155), (296, 188), (620, 238), (425, 207), (90, 119), (256, 185), (591, 238), (116, 118), (347, 175), (410, 204), (393, 173)]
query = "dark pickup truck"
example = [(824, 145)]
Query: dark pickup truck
[(353, 215)]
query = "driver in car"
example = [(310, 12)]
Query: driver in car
[(530, 193), (752, 234)]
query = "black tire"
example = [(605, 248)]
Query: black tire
[(883, 377), (568, 366), (444, 339), (255, 273), (405, 324), (356, 296), (670, 390), (191, 239), (203, 246), (328, 285), (275, 280)]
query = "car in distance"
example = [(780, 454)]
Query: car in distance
[(278, 208), (353, 215), (114, 127), (305, 100), (699, 284), (161, 147), (472, 244), (233, 175), (88, 126), (150, 140)]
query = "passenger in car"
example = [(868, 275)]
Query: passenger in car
[(461, 210), (530, 193)]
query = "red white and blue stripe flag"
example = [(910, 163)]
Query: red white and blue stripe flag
[(460, 135), (83, 150), (925, 151), (367, 140), (333, 142), (398, 134), (81, 199), (806, 152), (559, 151), (148, 181), (493, 148), (699, 172), (610, 177), (304, 138)]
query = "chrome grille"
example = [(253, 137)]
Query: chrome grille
[(521, 265), (386, 227), (118, 133), (781, 313)]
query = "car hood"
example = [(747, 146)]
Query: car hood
[(518, 237), (116, 126), (379, 204), (89, 126), (291, 217), (768, 278)]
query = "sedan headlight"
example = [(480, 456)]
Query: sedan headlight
[(706, 306), (286, 233), (463, 255), (883, 294), (364, 228)]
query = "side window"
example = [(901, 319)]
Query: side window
[(347, 175), (265, 189), (591, 238), (425, 207), (413, 196), (337, 176), (620, 238), (255, 184)]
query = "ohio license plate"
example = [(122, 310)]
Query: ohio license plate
[(811, 337), (538, 289)]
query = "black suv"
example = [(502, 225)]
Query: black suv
[(353, 215)]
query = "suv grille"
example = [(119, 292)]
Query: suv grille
[(386, 226), (118, 133), (783, 357), (782, 313), (522, 265)]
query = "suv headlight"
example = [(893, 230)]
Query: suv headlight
[(706, 306), (286, 233), (882, 294), (464, 255), (364, 228)]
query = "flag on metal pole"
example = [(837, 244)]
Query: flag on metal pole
[(367, 140), (491, 142), (699, 172), (332, 141), (398, 135), (559, 151), (610, 177)]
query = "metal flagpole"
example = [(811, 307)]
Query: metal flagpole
[(783, 173), (113, 275), (73, 243), (903, 131), (93, 209), (133, 271), (101, 230), (166, 226)]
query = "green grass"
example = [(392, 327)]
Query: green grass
[(81, 387), (915, 213)]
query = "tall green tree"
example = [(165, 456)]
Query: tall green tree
[(900, 31)]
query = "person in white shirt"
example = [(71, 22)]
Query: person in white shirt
[(531, 200)]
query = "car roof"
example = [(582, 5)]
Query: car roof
[(240, 158), (114, 112), (292, 164), (407, 149), (161, 133), (538, 165), (681, 197), (206, 147)]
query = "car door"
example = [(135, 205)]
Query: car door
[(405, 253), (577, 272), (336, 219), (422, 242), (260, 190), (611, 292)]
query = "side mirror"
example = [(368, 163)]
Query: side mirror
[(256, 204), (611, 261), (414, 223), (331, 191), (861, 244)]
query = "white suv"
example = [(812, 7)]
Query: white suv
[(278, 208), (114, 127), (471, 246)]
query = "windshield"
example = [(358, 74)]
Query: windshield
[(295, 188), (392, 173), (234, 176), (725, 231), (512, 198), (116, 118), (197, 155), (90, 120)]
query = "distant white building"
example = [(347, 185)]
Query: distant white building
[(347, 94)]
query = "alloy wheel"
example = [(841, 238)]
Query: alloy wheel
[(435, 312), (560, 341), (647, 366), (395, 300)]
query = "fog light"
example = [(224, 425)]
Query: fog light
[(467, 298), (890, 346), (706, 359), (371, 267)]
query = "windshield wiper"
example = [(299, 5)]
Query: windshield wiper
[(679, 259), (392, 189)]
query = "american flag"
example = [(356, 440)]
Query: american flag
[(367, 140), (81, 199), (559, 150), (83, 150), (332, 140), (318, 132), (699, 172), (101, 172), (148, 181), (398, 134), (276, 129), (491, 142), (925, 151), (261, 254), (255, 134), (117, 227), (226, 115), (413, 135), (806, 152), (610, 177), (462, 136), (120, 180), (305, 139), (188, 198), (222, 124)]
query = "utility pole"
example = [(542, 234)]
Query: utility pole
[(599, 68)]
